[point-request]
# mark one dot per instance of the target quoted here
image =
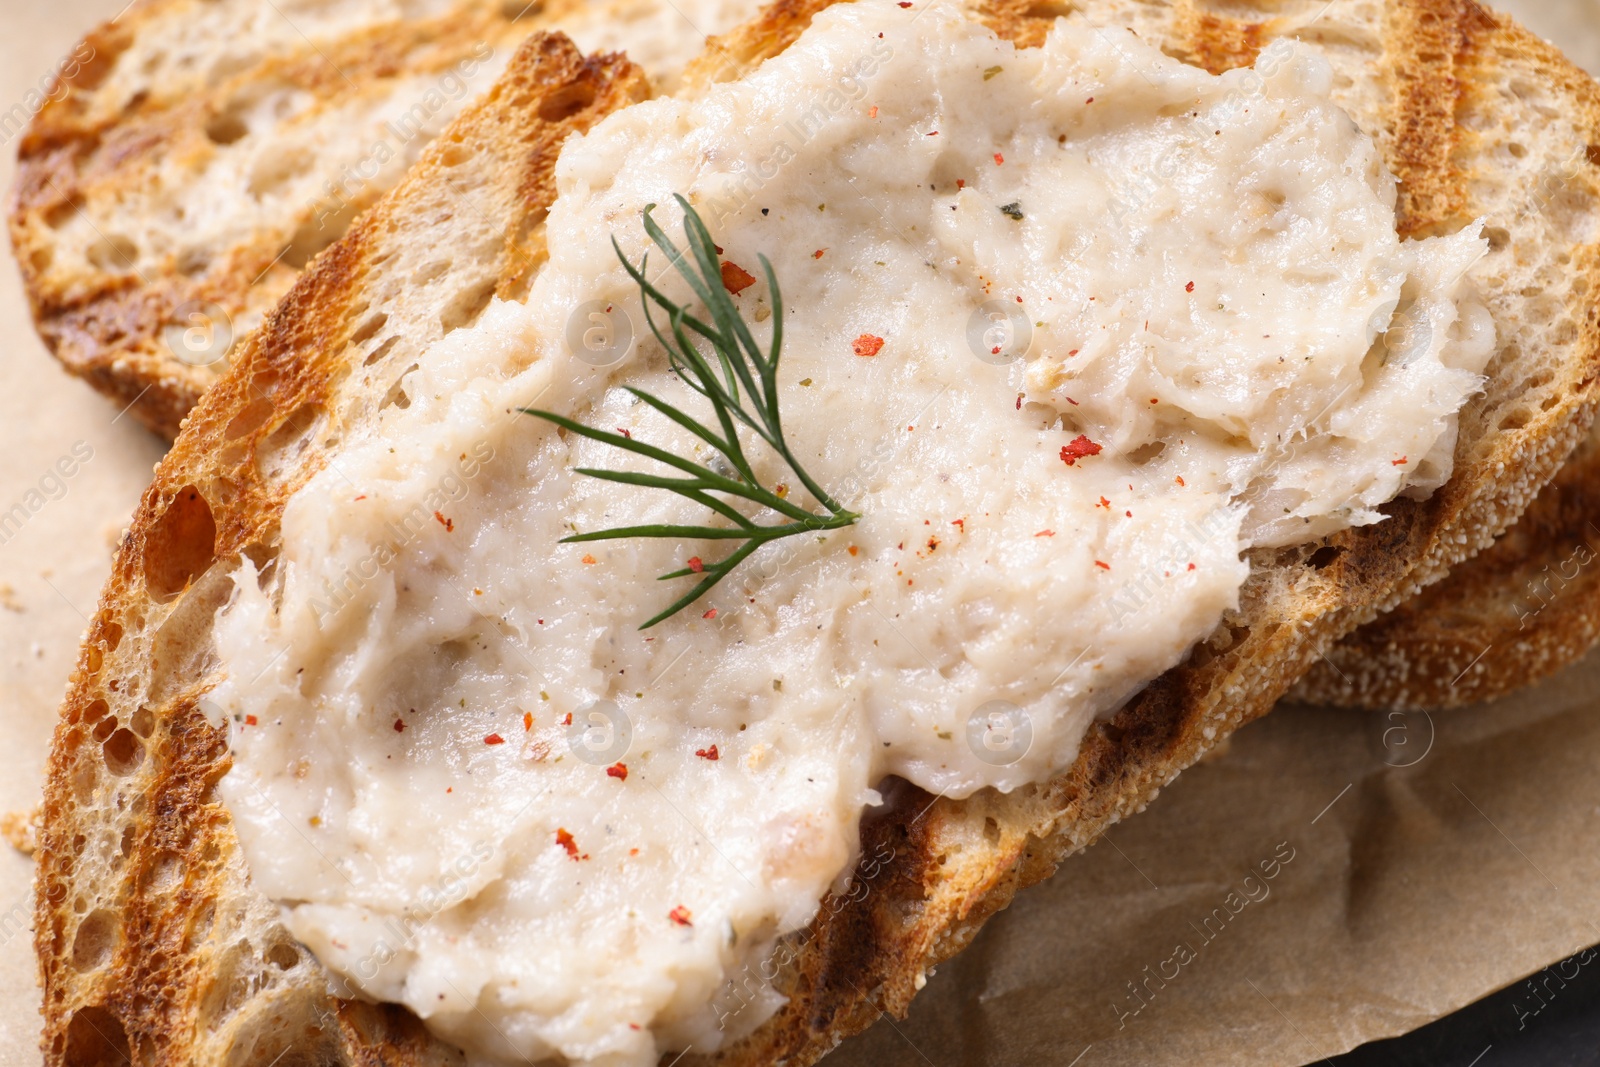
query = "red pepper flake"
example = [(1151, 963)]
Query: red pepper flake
[(867, 345), (633, 852), (635, 1026), (1189, 288), (999, 159), (872, 112), (527, 721), (565, 840), (1191, 566), (933, 544), (588, 559), (399, 726), (735, 278), (1104, 503), (961, 523), (818, 253), (961, 183), (1019, 401), (1079, 448), (618, 771), (1075, 351), (494, 739), (250, 720), (1102, 566), (363, 496), (680, 914), (1089, 101), (1045, 533), (853, 550), (1128, 513), (697, 565), (448, 524), (708, 753), (1180, 480), (710, 614), (1153, 400), (1073, 402), (568, 720), (1402, 461), (626, 433)]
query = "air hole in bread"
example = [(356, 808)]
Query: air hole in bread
[(111, 633), (84, 776), (566, 102), (1498, 237), (466, 306), (283, 956), (193, 261), (164, 873), (226, 128), (1324, 557), (144, 723), (230, 985), (181, 544), (396, 396), (249, 420), (369, 329), (381, 351), (95, 711), (123, 753), (275, 169), (1516, 420), (96, 1038), (114, 254), (95, 941), (105, 728), (282, 449), (59, 214)]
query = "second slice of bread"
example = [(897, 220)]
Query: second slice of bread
[(153, 943)]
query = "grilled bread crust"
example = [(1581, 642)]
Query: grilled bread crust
[(155, 947), (179, 179), (1520, 612)]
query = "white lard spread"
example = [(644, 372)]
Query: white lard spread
[(1227, 339)]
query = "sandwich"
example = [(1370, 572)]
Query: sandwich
[(368, 758)]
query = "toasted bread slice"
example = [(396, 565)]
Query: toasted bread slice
[(154, 945), (1519, 612), (202, 152)]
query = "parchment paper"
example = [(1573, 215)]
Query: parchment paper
[(1330, 878)]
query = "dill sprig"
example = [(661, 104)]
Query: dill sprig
[(742, 387)]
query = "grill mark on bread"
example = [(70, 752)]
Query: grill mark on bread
[(950, 870), (1430, 47), (1215, 42)]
